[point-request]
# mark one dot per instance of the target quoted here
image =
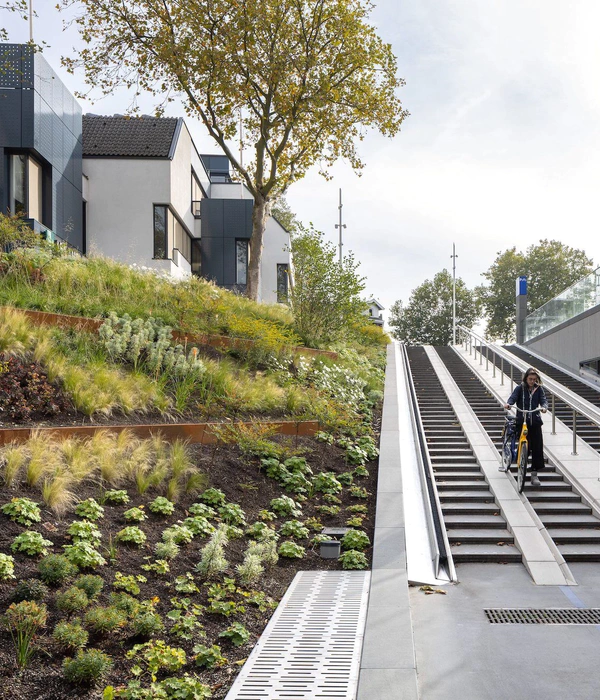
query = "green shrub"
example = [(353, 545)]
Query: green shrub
[(351, 559), (128, 583), (7, 567), (291, 550), (117, 497), (362, 472), (83, 555), (236, 633), (266, 550), (126, 603), (260, 531), (267, 515), (166, 550), (87, 668), (346, 478), (285, 506), (89, 509), (328, 510), (91, 584), (330, 498), (55, 569), (72, 600), (186, 584), (146, 624), (355, 521), (156, 656), (31, 543), (23, 511), (212, 558), (131, 535), (30, 589), (199, 526), (355, 539), (103, 620), (24, 620), (358, 509), (232, 514), (314, 524), (202, 509), (84, 531), (179, 534), (160, 567), (294, 528), (251, 569), (209, 657), (162, 506), (135, 515), (184, 687), (186, 620), (213, 497), (70, 635), (358, 492), (326, 482)]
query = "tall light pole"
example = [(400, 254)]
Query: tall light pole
[(31, 21), (454, 256), (340, 225)]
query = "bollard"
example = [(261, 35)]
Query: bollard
[(553, 416), (574, 434), (502, 371)]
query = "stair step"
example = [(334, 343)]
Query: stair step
[(580, 552), (562, 508), (485, 553), (470, 509), (481, 496), (572, 536), (479, 535), (566, 520), (474, 521)]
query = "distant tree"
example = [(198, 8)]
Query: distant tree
[(325, 296), (19, 6), (550, 267), (306, 78), (282, 211), (427, 318)]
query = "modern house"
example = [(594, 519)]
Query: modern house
[(374, 311), (40, 146), (132, 189)]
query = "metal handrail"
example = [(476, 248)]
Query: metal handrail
[(438, 536), (570, 398)]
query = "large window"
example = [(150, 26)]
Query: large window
[(282, 283), (197, 195), (160, 232), (241, 261), (18, 180), (34, 181), (169, 233)]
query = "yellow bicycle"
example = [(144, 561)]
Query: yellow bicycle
[(523, 450)]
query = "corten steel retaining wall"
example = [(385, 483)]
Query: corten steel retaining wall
[(221, 342), (194, 433)]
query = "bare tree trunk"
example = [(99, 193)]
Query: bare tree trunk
[(260, 212)]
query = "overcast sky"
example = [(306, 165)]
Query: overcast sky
[(500, 149)]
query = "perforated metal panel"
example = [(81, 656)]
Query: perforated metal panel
[(311, 647), (17, 66), (544, 616)]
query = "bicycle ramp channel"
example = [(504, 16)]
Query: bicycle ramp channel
[(567, 503)]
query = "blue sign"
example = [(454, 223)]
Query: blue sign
[(521, 286)]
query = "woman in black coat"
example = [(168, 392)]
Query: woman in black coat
[(530, 395)]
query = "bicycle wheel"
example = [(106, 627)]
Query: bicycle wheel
[(506, 453), (522, 468)]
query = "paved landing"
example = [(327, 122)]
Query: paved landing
[(461, 656)]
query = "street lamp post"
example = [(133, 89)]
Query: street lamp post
[(454, 256), (340, 225)]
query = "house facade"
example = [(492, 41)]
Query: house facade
[(374, 311), (40, 146), (133, 189)]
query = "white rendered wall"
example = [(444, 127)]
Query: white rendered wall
[(229, 190), (120, 217), (275, 251), (181, 180)]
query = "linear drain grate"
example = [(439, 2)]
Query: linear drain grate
[(543, 616), (312, 644)]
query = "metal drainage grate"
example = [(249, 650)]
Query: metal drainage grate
[(543, 616), (312, 644)]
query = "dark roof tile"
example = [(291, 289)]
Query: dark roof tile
[(128, 137)]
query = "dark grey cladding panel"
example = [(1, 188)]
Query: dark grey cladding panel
[(212, 259), (59, 161), (212, 218), (17, 66), (27, 119), (237, 218), (44, 131), (10, 118)]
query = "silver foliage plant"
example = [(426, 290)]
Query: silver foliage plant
[(146, 343)]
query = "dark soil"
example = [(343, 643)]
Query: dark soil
[(242, 483)]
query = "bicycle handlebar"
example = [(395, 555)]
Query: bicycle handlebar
[(535, 410)]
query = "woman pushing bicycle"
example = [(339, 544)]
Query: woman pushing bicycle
[(529, 396)]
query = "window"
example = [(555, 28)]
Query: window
[(241, 261), (169, 233), (160, 232), (34, 180), (196, 256), (196, 195), (180, 237), (282, 283), (18, 192)]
